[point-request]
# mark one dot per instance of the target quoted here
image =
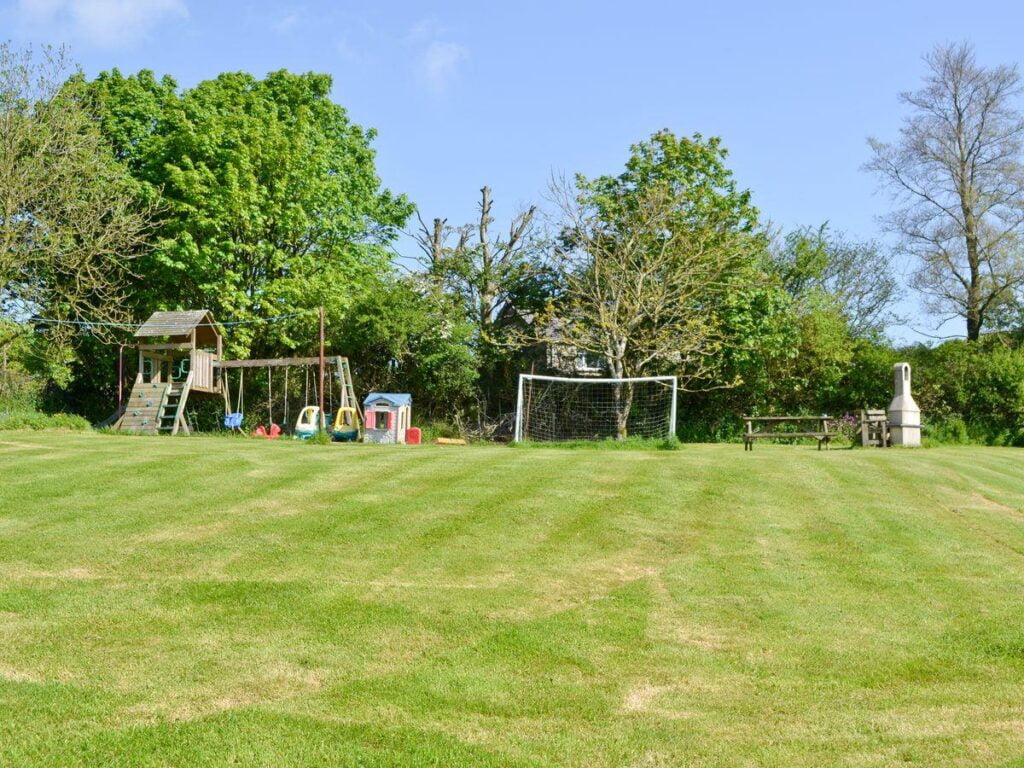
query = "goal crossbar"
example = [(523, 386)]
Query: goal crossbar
[(592, 380), (521, 403)]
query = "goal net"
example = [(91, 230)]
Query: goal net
[(555, 408)]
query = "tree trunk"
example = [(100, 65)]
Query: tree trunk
[(437, 250), (623, 404), (973, 303), (973, 319), (487, 287), (622, 393)]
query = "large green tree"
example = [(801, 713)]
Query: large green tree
[(740, 302), (676, 215), (655, 263), (403, 334), (271, 200), (693, 171)]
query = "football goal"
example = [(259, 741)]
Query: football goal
[(556, 408)]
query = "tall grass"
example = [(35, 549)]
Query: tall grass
[(19, 416)]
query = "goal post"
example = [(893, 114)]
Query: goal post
[(561, 408), (518, 436)]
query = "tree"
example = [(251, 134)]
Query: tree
[(636, 288), (855, 276), (493, 276), (70, 225), (273, 203), (693, 172), (500, 281), (661, 268), (956, 171), (404, 335)]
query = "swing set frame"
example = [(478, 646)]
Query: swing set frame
[(338, 364)]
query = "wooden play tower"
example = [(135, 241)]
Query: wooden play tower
[(178, 352), (180, 355)]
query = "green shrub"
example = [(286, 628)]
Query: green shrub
[(27, 419), (435, 429), (319, 438), (971, 391), (951, 430)]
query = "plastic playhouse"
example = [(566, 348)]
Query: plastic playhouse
[(388, 416)]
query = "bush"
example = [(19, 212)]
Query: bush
[(320, 437), (435, 429), (951, 430), (971, 391), (28, 419), (847, 428)]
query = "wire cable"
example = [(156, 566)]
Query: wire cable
[(136, 326)]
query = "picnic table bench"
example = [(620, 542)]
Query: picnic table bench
[(767, 427)]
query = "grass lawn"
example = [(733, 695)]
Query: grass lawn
[(206, 601)]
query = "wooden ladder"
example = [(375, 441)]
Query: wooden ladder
[(172, 409), (348, 391)]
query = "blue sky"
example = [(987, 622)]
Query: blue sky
[(468, 93)]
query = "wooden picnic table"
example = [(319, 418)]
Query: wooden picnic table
[(767, 429)]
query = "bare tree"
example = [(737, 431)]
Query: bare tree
[(488, 273), (956, 171), (500, 265), (500, 281), (433, 242), (69, 225), (638, 291)]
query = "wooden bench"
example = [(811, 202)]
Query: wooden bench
[(767, 428), (874, 428)]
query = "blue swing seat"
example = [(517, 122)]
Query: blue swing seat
[(232, 420)]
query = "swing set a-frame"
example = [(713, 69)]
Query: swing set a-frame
[(348, 418), (180, 356)]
